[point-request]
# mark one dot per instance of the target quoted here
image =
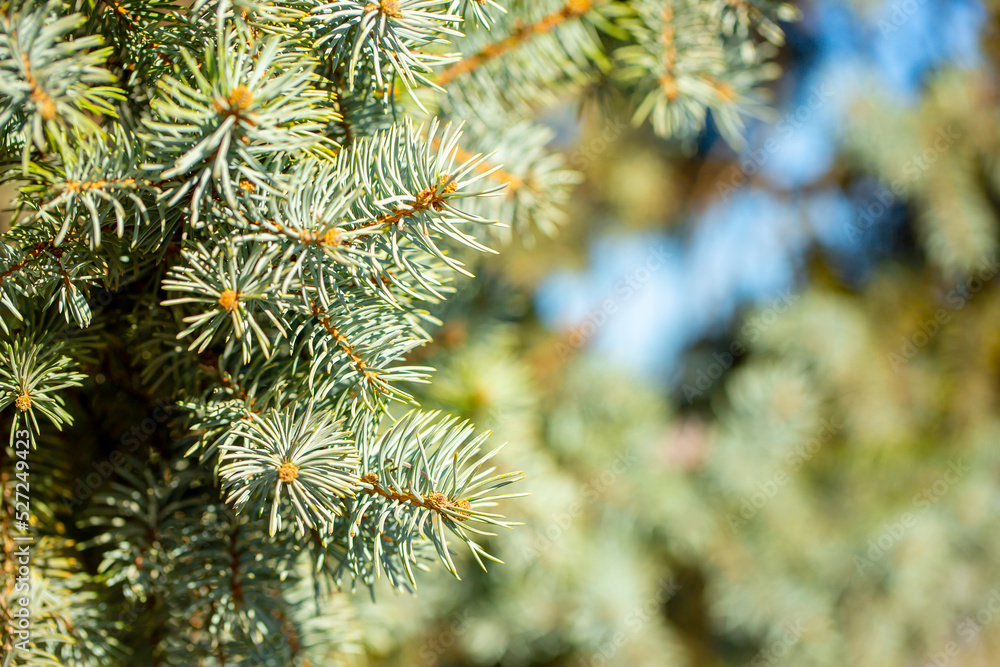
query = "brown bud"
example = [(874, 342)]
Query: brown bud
[(288, 472), (228, 299)]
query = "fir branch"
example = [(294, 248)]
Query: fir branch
[(518, 36), (302, 451), (452, 508), (359, 363)]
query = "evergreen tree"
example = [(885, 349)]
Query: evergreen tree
[(235, 225)]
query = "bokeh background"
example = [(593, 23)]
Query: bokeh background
[(755, 389)]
